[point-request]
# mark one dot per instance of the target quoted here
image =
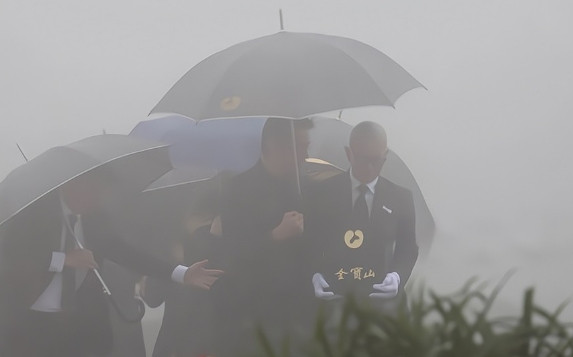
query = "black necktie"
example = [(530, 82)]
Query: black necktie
[(69, 274), (360, 212)]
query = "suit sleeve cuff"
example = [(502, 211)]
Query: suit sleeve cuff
[(57, 263), (178, 274)]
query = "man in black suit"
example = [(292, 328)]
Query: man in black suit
[(262, 226), (362, 226), (51, 303)]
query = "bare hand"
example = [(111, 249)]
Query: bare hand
[(80, 259), (196, 275), (291, 226)]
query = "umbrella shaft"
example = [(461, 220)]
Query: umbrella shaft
[(295, 157), (103, 284), (96, 272)]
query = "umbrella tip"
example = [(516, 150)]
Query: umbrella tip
[(281, 19), (22, 152)]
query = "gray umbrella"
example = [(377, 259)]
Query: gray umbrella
[(289, 75), (132, 161)]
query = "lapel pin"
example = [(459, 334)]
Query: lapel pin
[(387, 209)]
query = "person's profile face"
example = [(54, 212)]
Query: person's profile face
[(85, 194), (283, 153), (367, 158)]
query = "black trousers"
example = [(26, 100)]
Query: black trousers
[(42, 334)]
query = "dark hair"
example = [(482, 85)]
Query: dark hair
[(279, 130)]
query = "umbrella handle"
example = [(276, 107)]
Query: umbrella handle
[(123, 316), (107, 293), (106, 290)]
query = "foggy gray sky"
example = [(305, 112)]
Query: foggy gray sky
[(489, 142)]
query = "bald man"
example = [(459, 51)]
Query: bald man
[(362, 226)]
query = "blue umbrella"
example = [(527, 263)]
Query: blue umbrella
[(221, 145)]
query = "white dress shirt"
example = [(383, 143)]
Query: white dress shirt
[(51, 299), (369, 196)]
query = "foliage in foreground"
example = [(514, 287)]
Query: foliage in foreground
[(455, 325)]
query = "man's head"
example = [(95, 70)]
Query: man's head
[(367, 150), (85, 194), (277, 150)]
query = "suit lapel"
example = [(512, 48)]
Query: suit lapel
[(379, 200), (382, 215)]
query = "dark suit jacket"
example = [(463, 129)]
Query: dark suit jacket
[(27, 243), (187, 328), (263, 277), (390, 240)]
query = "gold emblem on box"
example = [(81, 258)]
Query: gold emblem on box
[(354, 239)]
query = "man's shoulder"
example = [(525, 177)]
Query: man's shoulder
[(242, 186), (243, 179), (393, 188), (341, 179), (327, 186)]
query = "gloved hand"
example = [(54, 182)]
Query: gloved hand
[(319, 285), (388, 288)]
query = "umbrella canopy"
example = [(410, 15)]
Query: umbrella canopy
[(132, 161), (168, 211), (224, 144), (290, 75)]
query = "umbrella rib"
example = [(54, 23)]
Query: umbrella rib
[(260, 39), (377, 50), (175, 185), (338, 49)]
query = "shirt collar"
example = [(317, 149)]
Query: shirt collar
[(371, 185)]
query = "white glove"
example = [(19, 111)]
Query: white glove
[(388, 288), (319, 285)]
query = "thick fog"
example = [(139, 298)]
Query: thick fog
[(488, 141)]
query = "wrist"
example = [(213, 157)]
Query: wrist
[(178, 274)]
